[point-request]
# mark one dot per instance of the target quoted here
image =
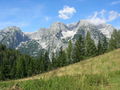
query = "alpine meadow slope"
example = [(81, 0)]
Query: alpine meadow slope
[(97, 73)]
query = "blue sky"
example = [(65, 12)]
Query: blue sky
[(31, 15)]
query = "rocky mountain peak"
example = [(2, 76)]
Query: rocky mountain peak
[(106, 29), (58, 26), (12, 29), (54, 37)]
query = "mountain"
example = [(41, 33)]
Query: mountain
[(106, 29), (12, 36), (52, 38)]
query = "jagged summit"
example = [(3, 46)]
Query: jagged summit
[(11, 28), (12, 36), (58, 26), (52, 38)]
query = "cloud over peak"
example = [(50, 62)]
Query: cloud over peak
[(67, 12), (103, 16)]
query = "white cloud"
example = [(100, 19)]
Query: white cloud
[(67, 12), (115, 2), (103, 16), (113, 15)]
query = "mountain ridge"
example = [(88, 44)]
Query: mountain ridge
[(54, 37)]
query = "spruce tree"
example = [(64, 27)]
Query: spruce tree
[(90, 46), (118, 45), (105, 45), (47, 63), (20, 67), (113, 42), (99, 48), (79, 49), (54, 61), (39, 67), (29, 65), (2, 74), (61, 58), (69, 51)]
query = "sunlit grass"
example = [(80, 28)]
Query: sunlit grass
[(98, 73)]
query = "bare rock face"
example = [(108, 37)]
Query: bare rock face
[(52, 38), (12, 37)]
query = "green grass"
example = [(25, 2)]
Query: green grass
[(98, 73), (78, 82)]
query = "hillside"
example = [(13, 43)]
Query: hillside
[(98, 73)]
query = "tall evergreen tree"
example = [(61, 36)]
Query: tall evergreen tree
[(118, 45), (90, 46), (47, 63), (54, 61), (114, 41), (13, 70), (29, 65), (39, 67), (2, 74), (2, 47), (79, 49), (61, 58), (20, 67), (105, 45), (99, 48), (69, 51)]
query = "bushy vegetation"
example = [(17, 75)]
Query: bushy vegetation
[(15, 65)]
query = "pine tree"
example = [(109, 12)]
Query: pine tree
[(47, 63), (61, 58), (113, 43), (15, 65), (90, 46), (118, 45), (13, 71), (69, 51), (105, 45), (99, 47), (2, 47), (20, 67), (2, 74), (29, 65), (39, 64), (54, 61), (6, 67), (79, 49)]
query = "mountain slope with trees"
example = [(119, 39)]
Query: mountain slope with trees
[(14, 65), (98, 73)]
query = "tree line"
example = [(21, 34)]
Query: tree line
[(14, 65)]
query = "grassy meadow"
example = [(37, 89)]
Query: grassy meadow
[(98, 73)]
